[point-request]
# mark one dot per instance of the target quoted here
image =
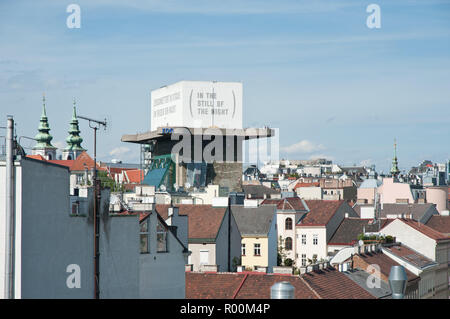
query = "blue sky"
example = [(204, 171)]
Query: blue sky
[(334, 87)]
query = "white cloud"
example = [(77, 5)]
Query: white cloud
[(303, 147), (59, 144), (119, 151), (366, 162), (317, 156)]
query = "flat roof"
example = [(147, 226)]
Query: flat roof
[(165, 133)]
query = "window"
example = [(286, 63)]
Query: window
[(288, 224), (303, 259), (161, 238), (257, 249), (204, 257), (243, 249), (303, 239), (315, 239), (288, 243), (145, 249), (75, 208)]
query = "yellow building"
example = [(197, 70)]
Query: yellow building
[(257, 226)]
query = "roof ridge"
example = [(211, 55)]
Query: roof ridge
[(240, 286), (310, 288)]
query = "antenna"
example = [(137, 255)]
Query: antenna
[(95, 125)]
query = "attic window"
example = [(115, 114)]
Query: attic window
[(145, 249), (161, 238)]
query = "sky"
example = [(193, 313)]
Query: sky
[(313, 69)]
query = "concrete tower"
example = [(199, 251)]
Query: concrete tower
[(74, 140), (43, 146)]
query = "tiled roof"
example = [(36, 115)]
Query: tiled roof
[(332, 284), (67, 163), (410, 255), (134, 176), (204, 220), (37, 157), (414, 211), (326, 284), (82, 162), (302, 184), (212, 286), (350, 228), (320, 212), (385, 263), (424, 229), (258, 190), (253, 221), (440, 224), (288, 203), (361, 277)]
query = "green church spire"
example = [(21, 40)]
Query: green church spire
[(394, 170), (43, 138), (74, 140)]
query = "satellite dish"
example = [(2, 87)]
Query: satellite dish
[(163, 188), (187, 185)]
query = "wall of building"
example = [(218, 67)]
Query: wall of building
[(162, 274), (51, 239), (411, 238), (309, 193), (194, 258), (222, 244), (310, 249), (250, 260), (367, 194), (438, 196), (272, 245), (391, 191), (284, 233)]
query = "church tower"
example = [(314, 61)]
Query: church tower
[(74, 140), (43, 146), (394, 170)]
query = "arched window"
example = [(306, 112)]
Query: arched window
[(288, 243), (288, 223)]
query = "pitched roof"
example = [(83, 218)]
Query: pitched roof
[(287, 203), (424, 229), (212, 286), (320, 212), (82, 162), (258, 191), (414, 211), (360, 277), (133, 175), (440, 224), (332, 284), (67, 163), (410, 255), (253, 221), (37, 157), (204, 220), (349, 229), (303, 184), (385, 263), (327, 284)]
